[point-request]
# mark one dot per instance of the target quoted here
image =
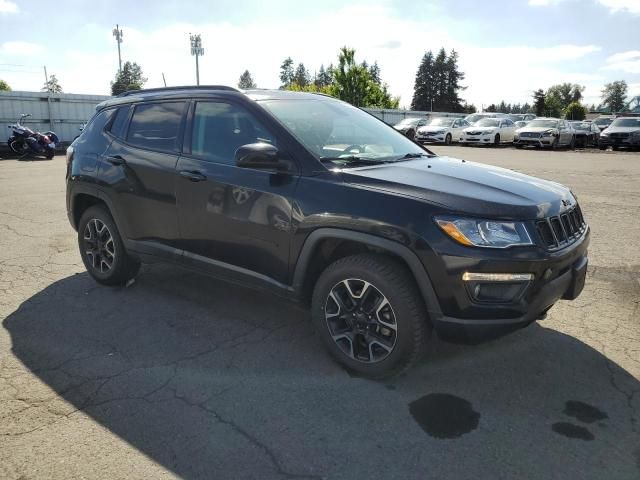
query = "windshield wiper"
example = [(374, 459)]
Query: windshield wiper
[(351, 160), (416, 155)]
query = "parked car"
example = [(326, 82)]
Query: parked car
[(603, 121), (623, 132), (521, 117), (519, 124), (441, 130), (383, 240), (546, 132), (476, 117), (586, 133), (489, 131), (410, 125)]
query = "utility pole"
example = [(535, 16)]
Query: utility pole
[(117, 32), (196, 51), (164, 79)]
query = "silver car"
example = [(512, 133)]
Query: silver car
[(546, 132)]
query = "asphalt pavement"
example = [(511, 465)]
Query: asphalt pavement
[(182, 376)]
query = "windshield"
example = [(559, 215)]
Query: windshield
[(516, 118), (488, 122), (602, 121), (440, 122), (543, 123), (626, 122), (581, 125), (474, 118), (332, 129)]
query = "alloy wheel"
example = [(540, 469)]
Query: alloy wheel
[(99, 246), (361, 321)]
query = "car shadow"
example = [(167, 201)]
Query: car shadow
[(210, 380)]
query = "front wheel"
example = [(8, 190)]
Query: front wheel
[(496, 140), (370, 316), (447, 139), (102, 249)]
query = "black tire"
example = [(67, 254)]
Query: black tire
[(496, 140), (602, 147), (394, 283), (411, 134), (123, 267), (50, 154), (615, 148), (447, 139)]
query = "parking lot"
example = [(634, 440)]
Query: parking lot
[(182, 376)]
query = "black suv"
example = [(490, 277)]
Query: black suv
[(317, 200)]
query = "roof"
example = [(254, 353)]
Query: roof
[(182, 91)]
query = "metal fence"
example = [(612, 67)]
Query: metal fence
[(394, 116), (62, 113)]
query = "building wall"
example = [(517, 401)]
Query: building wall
[(62, 113)]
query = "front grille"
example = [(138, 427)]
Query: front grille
[(562, 230), (530, 134), (619, 135), (474, 133)]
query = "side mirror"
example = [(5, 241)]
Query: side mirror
[(261, 156)]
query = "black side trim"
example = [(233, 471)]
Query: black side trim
[(410, 258)]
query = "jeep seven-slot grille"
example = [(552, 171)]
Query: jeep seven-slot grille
[(561, 230)]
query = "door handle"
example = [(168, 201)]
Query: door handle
[(116, 160), (193, 176)]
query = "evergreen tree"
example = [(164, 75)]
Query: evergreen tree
[(129, 78), (539, 102), (286, 72), (246, 81), (452, 101), (614, 95), (423, 90), (440, 79), (526, 108), (52, 85), (301, 76), (323, 78), (492, 108), (374, 73), (502, 107)]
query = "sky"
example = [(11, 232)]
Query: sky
[(507, 48)]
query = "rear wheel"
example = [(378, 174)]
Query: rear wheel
[(447, 139), (102, 250), (496, 140), (370, 315)]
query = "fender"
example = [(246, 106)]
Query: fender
[(410, 259)]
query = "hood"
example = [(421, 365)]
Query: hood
[(536, 129), (475, 128), (621, 129), (430, 128), (467, 187)]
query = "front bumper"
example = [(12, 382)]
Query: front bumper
[(485, 139), (425, 138), (607, 141), (534, 141), (556, 275)]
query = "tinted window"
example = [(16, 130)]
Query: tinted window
[(96, 125), (220, 128), (119, 122), (155, 126)]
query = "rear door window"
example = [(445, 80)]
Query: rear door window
[(155, 126)]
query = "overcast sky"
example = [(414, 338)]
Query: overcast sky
[(507, 48)]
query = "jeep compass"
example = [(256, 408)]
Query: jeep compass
[(311, 198)]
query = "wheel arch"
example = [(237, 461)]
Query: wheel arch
[(326, 245)]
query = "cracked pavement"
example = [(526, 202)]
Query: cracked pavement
[(182, 376)]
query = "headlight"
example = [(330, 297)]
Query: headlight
[(484, 233), (604, 134), (549, 133)]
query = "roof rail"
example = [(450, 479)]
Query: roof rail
[(186, 87)]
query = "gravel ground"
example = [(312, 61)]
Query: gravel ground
[(181, 376)]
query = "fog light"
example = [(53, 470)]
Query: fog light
[(497, 277), (496, 287)]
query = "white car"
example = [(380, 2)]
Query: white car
[(474, 118), (489, 131), (441, 130)]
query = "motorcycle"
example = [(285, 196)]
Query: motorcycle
[(24, 140)]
